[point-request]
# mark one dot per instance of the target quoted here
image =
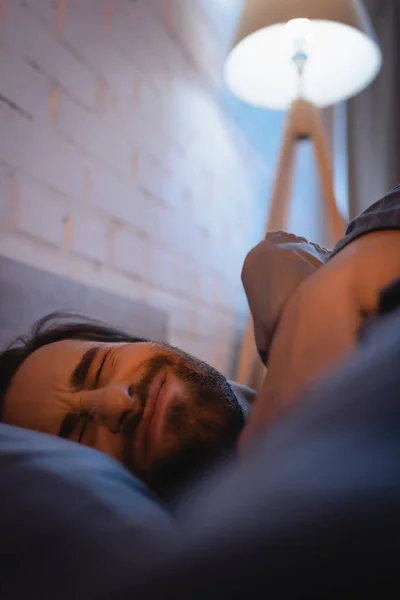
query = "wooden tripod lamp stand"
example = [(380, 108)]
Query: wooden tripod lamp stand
[(300, 56)]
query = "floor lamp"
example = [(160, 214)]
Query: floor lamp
[(300, 56)]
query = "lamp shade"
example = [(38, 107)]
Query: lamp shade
[(343, 58)]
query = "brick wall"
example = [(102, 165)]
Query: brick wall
[(119, 165)]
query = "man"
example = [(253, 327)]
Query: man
[(163, 414), (312, 511), (166, 415)]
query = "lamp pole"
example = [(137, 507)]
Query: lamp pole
[(303, 121)]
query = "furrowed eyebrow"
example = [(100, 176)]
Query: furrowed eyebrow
[(99, 370), (80, 372)]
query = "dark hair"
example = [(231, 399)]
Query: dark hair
[(52, 328)]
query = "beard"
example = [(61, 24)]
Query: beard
[(198, 430)]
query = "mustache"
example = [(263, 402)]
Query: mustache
[(197, 420), (153, 368), (199, 393), (141, 389), (187, 372)]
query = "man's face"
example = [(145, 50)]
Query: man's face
[(151, 407)]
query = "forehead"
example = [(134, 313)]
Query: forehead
[(57, 360), (59, 355), (62, 352)]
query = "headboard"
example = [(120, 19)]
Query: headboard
[(28, 293)]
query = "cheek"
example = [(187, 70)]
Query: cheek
[(37, 405), (179, 426), (101, 438)]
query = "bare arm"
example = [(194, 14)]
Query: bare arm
[(319, 325)]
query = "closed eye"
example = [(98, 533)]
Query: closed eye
[(82, 368), (68, 425), (79, 376), (99, 370)]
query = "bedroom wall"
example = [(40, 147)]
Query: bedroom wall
[(122, 164)]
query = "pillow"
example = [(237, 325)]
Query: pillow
[(24, 453), (272, 272), (62, 504)]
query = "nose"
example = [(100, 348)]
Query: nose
[(108, 405)]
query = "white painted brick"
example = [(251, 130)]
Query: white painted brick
[(188, 281), (89, 236), (39, 151), (165, 299), (178, 235), (207, 322), (164, 268), (27, 36), (8, 131), (131, 254), (140, 132), (93, 133), (178, 339), (173, 271), (5, 199), (150, 103), (207, 287), (23, 86), (194, 200), (112, 194), (189, 344), (26, 249), (225, 327), (150, 46), (224, 294), (46, 11), (240, 306), (148, 139), (119, 283), (203, 247), (220, 356), (184, 318), (153, 219), (103, 277), (157, 179), (182, 313), (198, 348), (84, 31), (40, 213)]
